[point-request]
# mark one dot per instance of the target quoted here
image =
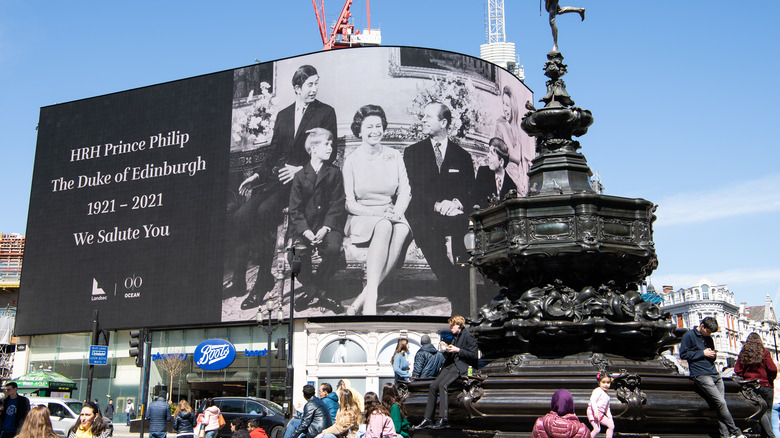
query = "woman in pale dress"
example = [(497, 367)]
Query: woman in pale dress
[(378, 194), (521, 152)]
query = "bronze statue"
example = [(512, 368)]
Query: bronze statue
[(553, 8)]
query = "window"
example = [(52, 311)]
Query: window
[(232, 406), (58, 410), (343, 351), (254, 408)]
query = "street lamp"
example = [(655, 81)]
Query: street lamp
[(470, 242), (269, 329), (295, 269)]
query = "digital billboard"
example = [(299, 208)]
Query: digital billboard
[(182, 203)]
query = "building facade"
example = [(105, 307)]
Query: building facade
[(688, 306), (324, 351)]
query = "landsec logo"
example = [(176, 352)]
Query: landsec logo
[(214, 354)]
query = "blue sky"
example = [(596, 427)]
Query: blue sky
[(682, 93)]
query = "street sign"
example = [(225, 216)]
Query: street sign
[(98, 355)]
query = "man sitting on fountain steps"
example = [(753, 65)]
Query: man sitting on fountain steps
[(698, 348), (458, 357)]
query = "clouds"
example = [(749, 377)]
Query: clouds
[(760, 195)]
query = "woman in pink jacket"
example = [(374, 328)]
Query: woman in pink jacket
[(561, 422), (210, 418), (378, 421)]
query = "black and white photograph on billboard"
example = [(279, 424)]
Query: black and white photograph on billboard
[(359, 165), (357, 169)]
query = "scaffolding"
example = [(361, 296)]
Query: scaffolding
[(11, 252)]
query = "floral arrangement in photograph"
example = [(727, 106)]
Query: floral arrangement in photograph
[(253, 121), (459, 95)]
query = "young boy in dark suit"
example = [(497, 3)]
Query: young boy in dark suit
[(493, 179), (317, 218)]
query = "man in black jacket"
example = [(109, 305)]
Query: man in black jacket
[(315, 417), (458, 357), (13, 411)]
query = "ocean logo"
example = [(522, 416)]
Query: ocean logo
[(214, 354)]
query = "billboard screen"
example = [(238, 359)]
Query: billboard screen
[(183, 203)]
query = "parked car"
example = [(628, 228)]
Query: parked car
[(269, 414), (64, 413)]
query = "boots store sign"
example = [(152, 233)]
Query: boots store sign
[(214, 354)]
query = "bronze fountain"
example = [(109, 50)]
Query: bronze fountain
[(569, 261)]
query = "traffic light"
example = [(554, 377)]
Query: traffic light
[(281, 349), (137, 338)]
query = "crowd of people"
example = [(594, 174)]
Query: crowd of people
[(345, 413)]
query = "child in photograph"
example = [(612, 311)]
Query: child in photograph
[(317, 218), (493, 179)]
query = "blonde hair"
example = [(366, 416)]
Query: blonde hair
[(37, 424), (182, 406), (349, 414), (457, 320), (313, 135)]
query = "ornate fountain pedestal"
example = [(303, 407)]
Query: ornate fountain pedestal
[(569, 261)]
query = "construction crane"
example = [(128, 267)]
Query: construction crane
[(343, 33)]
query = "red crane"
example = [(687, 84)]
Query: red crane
[(343, 28)]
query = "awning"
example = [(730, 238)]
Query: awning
[(45, 379)]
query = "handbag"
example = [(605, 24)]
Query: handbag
[(202, 431), (221, 421)]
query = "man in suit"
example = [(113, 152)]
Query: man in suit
[(493, 179), (268, 188), (458, 357), (441, 175)]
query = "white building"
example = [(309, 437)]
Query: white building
[(690, 305)]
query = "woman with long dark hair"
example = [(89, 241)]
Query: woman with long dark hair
[(91, 423), (210, 418), (377, 417), (400, 361), (392, 401), (755, 362)]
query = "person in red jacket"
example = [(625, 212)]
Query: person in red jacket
[(561, 422), (755, 362)]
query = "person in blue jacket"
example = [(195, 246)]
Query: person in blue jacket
[(427, 361), (331, 400), (400, 360), (158, 414)]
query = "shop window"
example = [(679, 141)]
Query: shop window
[(343, 351)]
